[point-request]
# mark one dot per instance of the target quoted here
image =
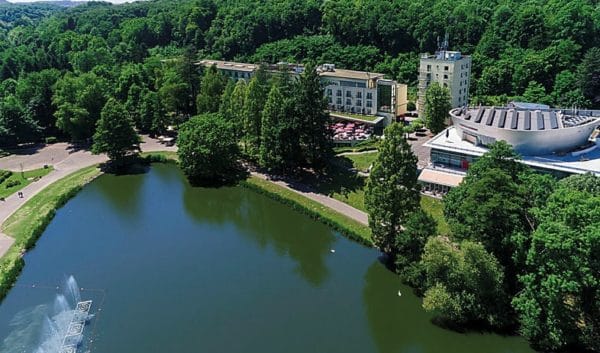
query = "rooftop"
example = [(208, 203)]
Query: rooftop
[(523, 118), (229, 65), (568, 163), (351, 74), (446, 55)]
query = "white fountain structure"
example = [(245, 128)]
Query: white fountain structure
[(63, 332)]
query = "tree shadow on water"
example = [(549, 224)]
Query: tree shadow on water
[(266, 223)]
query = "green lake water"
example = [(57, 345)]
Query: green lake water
[(172, 268)]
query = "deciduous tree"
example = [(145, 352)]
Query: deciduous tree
[(115, 134), (437, 107)]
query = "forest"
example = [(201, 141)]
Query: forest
[(58, 66)]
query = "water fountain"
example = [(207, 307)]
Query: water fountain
[(62, 331), (58, 328)]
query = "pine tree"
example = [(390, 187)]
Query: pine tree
[(437, 107), (211, 89), (225, 109), (236, 104), (311, 107), (115, 134), (271, 152), (392, 191), (256, 96)]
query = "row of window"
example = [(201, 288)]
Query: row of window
[(446, 67), (338, 93), (338, 101)]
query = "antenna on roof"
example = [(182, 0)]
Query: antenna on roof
[(445, 43)]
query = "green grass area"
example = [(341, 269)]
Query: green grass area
[(29, 221), (19, 181), (348, 226), (369, 118), (435, 207), (368, 145), (160, 156), (362, 161)]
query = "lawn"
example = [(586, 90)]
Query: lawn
[(362, 161), (21, 181)]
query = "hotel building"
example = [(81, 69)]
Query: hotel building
[(350, 94)]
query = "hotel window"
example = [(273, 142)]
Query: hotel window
[(445, 68), (445, 77), (358, 94), (329, 92), (348, 101), (338, 93), (369, 104), (369, 95), (358, 103), (349, 94), (338, 101), (330, 100), (428, 67)]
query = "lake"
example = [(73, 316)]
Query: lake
[(173, 268)]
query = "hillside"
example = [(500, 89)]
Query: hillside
[(542, 51)]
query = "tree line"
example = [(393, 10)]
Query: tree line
[(522, 253), (276, 121), (543, 51)]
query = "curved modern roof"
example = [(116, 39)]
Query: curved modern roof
[(523, 119), (529, 131)]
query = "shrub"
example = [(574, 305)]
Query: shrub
[(4, 174), (12, 183)]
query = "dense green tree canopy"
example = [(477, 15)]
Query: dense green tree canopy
[(437, 106), (208, 149), (115, 134)]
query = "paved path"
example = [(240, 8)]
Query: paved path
[(325, 200), (65, 159)]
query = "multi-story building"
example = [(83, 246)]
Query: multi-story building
[(449, 69), (348, 92), (360, 92)]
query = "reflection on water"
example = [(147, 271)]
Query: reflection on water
[(257, 220), (192, 270)]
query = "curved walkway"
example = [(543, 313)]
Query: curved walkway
[(65, 159), (306, 191)]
